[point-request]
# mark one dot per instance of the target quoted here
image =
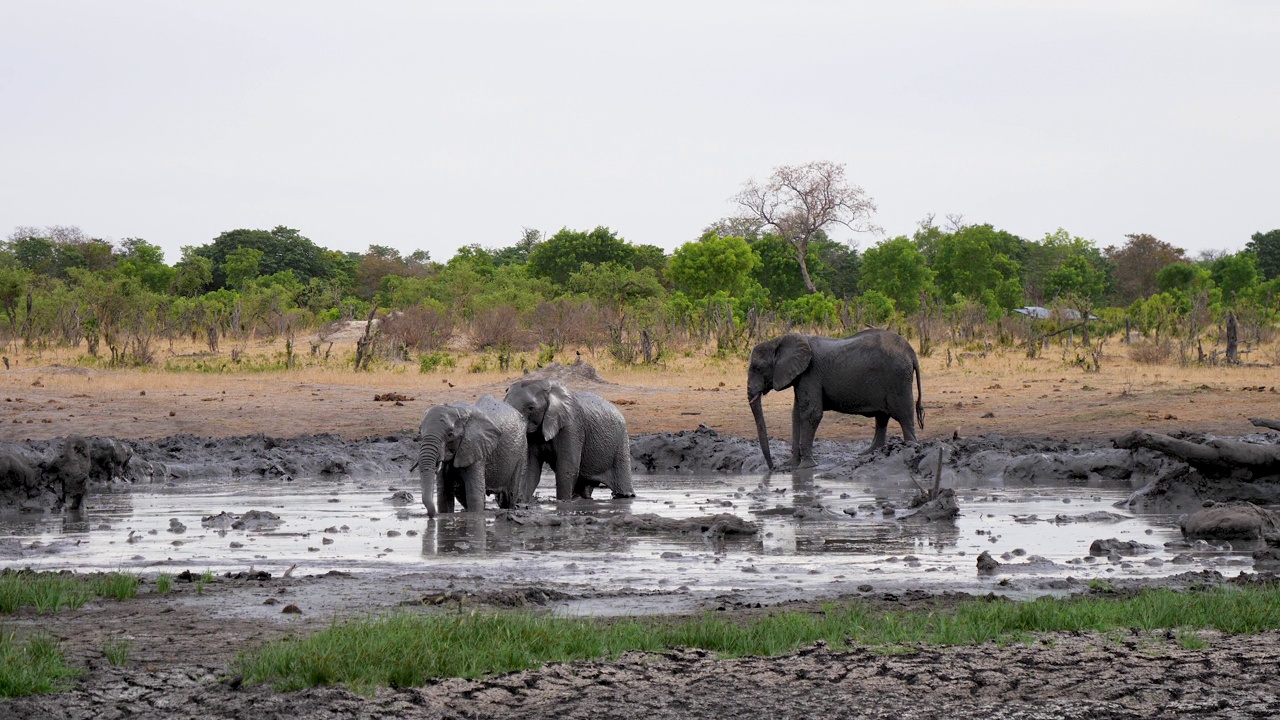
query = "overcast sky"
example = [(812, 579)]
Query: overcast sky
[(430, 125)]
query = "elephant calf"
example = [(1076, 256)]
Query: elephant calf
[(580, 434), (466, 451), (867, 374)]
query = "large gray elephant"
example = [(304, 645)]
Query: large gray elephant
[(866, 374), (466, 451), (580, 434)]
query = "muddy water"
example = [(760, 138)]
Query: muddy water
[(354, 526)]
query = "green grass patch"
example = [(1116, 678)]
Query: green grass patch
[(117, 651), (34, 666), (164, 583), (406, 649), (50, 592)]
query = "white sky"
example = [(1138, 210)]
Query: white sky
[(434, 125)]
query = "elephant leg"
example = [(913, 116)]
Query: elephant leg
[(882, 427), (806, 415), (444, 491), (568, 465), (621, 485), (473, 486), (908, 429), (531, 477)]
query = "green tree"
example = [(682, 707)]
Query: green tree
[(1180, 277), (839, 269), (896, 268), (1046, 259), (144, 262), (193, 273), (778, 271), (1078, 278), (282, 248), (616, 285), (1236, 274), (242, 266), (563, 254), (799, 201), (1266, 248), (13, 285), (518, 254), (37, 254), (970, 264), (713, 262)]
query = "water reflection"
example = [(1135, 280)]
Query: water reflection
[(815, 530)]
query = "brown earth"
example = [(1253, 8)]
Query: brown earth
[(180, 664), (1003, 393)]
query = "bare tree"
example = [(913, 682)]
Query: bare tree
[(799, 200)]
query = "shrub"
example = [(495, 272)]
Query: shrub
[(500, 328), (427, 362), (1150, 352), (420, 327)]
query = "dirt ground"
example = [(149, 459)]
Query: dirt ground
[(180, 664), (1004, 393)]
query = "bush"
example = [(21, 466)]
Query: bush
[(428, 362), (1149, 352), (419, 327), (500, 328)]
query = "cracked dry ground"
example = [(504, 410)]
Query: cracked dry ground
[(1058, 676)]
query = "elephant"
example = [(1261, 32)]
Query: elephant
[(466, 451), (868, 374), (110, 459), (580, 434), (69, 472)]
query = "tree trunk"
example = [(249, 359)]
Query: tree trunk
[(801, 250), (1233, 337), (1217, 456)]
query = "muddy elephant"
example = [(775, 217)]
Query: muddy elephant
[(68, 473), (866, 374), (466, 451), (582, 436), (109, 459)]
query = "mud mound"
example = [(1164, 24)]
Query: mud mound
[(696, 451), (576, 373)]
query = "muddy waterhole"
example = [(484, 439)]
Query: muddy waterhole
[(1041, 534)]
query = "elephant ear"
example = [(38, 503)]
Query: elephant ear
[(791, 359), (479, 439), (557, 415)]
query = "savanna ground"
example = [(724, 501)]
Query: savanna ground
[(180, 655)]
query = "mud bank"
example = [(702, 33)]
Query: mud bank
[(1161, 483)]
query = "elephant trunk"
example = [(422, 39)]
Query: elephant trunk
[(758, 413), (428, 458)]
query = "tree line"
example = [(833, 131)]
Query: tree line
[(772, 266)]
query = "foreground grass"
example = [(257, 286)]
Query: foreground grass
[(32, 667), (407, 649), (50, 592)]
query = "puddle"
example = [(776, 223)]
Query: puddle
[(353, 526)]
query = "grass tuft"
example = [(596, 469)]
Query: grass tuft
[(35, 666), (117, 651), (164, 583), (51, 592), (405, 649)]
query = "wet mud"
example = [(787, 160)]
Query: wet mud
[(716, 533)]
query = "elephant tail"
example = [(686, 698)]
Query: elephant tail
[(915, 362)]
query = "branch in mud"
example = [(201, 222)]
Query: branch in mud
[(1217, 456), (1264, 422)]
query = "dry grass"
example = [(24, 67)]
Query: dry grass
[(1003, 391)]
